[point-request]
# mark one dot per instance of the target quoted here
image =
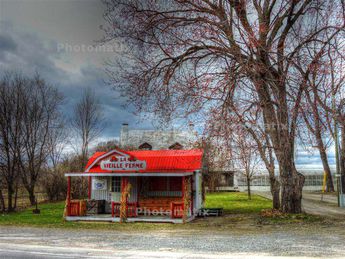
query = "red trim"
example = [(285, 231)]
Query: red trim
[(75, 208), (191, 195), (177, 209), (131, 209), (68, 195), (183, 188), (183, 193)]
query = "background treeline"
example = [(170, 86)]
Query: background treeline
[(34, 135)]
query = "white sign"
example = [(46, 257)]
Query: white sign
[(122, 164), (99, 184)]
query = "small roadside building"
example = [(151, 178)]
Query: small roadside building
[(146, 185)]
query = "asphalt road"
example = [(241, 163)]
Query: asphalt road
[(319, 242)]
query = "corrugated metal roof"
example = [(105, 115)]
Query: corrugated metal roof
[(156, 160)]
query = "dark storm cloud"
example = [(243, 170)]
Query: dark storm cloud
[(28, 53)]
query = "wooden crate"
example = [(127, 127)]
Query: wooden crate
[(94, 207)]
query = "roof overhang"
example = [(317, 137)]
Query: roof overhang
[(132, 174)]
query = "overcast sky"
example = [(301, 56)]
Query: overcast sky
[(48, 36), (56, 39)]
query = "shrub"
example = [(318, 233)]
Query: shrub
[(55, 185)]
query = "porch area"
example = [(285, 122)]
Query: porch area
[(155, 198)]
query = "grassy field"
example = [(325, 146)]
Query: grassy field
[(237, 202), (236, 206)]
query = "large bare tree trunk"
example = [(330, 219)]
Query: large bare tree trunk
[(292, 184), (2, 201), (32, 196), (10, 192), (15, 197), (275, 191)]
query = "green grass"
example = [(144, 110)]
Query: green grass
[(51, 215), (237, 202)]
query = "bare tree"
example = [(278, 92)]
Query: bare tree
[(2, 199), (54, 182), (264, 148), (87, 122), (225, 124), (41, 119), (29, 114), (246, 157), (324, 106), (193, 55), (315, 122), (216, 159), (107, 146)]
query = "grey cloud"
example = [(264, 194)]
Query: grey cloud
[(33, 54), (7, 43)]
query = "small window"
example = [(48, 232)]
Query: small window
[(176, 146), (145, 146), (116, 184)]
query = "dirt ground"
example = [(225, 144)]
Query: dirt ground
[(317, 204), (229, 236), (242, 238)]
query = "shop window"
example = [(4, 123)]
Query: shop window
[(176, 146), (145, 146), (116, 184), (158, 184), (175, 184)]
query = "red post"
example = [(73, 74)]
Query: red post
[(68, 195), (191, 195), (183, 194), (183, 188), (138, 188), (112, 209), (126, 184), (89, 187)]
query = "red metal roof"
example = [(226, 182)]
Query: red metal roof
[(156, 160)]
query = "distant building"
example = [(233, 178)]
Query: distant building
[(156, 139), (313, 179)]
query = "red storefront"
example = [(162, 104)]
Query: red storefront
[(153, 185)]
